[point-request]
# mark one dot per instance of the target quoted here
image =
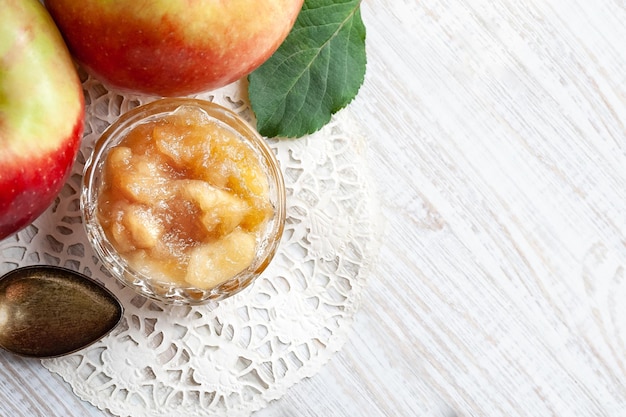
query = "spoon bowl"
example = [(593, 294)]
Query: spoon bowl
[(48, 311)]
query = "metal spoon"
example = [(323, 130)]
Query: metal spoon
[(48, 311)]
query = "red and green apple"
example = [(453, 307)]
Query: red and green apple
[(41, 113), (173, 47)]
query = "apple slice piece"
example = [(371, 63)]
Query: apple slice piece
[(237, 166), (248, 179), (118, 163), (157, 268), (221, 211), (139, 178), (214, 263), (143, 226), (260, 211), (184, 146), (120, 238)]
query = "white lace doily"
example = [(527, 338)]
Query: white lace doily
[(230, 359)]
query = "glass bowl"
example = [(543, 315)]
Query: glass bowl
[(122, 262)]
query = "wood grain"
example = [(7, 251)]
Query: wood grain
[(498, 141)]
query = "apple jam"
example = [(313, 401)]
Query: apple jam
[(184, 199)]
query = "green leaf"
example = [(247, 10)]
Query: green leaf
[(316, 72)]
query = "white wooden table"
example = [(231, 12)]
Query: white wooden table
[(498, 137)]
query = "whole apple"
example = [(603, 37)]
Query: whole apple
[(41, 113), (172, 47)]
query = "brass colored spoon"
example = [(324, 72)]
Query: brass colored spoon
[(48, 311)]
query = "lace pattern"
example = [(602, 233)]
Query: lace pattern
[(232, 358)]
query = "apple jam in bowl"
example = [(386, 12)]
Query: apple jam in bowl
[(183, 201)]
